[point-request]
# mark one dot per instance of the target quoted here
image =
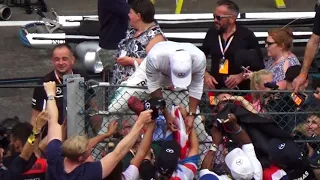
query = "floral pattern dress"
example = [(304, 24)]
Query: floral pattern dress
[(136, 48), (277, 70)]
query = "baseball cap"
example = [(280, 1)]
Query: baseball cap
[(239, 165), (181, 68), (292, 72), (284, 152), (167, 162)]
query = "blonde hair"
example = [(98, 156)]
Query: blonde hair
[(256, 77), (75, 147)]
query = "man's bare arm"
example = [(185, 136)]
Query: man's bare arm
[(311, 51), (54, 128), (34, 114), (194, 143), (144, 146)]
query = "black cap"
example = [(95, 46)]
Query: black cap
[(284, 152), (156, 104), (167, 161), (292, 72)]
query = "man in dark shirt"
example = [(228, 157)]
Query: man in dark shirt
[(36, 167), (20, 162), (62, 60), (311, 51), (222, 42), (113, 18)]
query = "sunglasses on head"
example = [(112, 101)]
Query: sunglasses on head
[(269, 43), (218, 18)]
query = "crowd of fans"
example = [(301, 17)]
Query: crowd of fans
[(246, 136)]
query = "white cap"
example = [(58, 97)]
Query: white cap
[(181, 68), (239, 165)]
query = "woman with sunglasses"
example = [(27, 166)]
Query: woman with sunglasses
[(279, 46)]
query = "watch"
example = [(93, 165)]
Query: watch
[(192, 114), (51, 97)]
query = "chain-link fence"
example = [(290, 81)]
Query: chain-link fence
[(92, 105)]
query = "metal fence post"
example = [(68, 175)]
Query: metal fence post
[(75, 106)]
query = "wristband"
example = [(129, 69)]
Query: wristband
[(51, 97), (31, 139), (237, 132)]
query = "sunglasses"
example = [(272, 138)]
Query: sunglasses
[(269, 43), (219, 18)]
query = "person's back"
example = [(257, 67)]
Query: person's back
[(113, 17)]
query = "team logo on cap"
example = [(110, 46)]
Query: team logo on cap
[(171, 151), (239, 162), (147, 105), (281, 146), (181, 75)]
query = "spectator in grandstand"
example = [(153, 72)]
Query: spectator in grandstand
[(279, 46), (311, 51), (254, 102), (222, 42), (67, 160), (179, 65), (310, 129), (241, 163), (113, 18), (292, 103), (62, 60), (36, 167), (141, 36), (21, 162)]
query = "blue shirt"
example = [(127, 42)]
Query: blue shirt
[(86, 171)]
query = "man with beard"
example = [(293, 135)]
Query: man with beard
[(222, 42)]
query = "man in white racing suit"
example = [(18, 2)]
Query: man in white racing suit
[(181, 66)]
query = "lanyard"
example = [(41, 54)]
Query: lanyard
[(223, 51), (58, 78)]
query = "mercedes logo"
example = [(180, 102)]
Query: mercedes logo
[(147, 105), (170, 151), (239, 162), (58, 90), (281, 146)]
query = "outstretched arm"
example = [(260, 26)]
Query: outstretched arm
[(111, 160), (54, 128)]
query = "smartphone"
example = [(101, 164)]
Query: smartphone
[(298, 98)]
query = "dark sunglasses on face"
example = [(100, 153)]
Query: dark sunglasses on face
[(218, 18), (269, 43)]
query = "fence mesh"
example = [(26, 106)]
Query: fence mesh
[(298, 115)]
